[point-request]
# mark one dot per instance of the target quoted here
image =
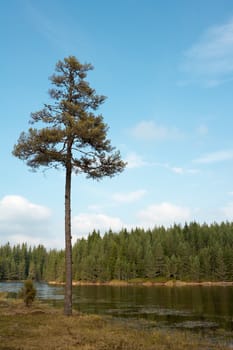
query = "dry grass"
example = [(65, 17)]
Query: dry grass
[(43, 327)]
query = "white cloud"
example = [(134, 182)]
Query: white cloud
[(128, 197), (210, 60), (85, 223), (215, 157), (21, 220), (134, 161), (17, 208), (163, 214), (150, 131)]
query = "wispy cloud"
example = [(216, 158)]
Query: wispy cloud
[(134, 161), (128, 197), (148, 130), (183, 171), (57, 33), (215, 157), (178, 169), (210, 59)]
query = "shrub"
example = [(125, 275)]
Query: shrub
[(28, 292)]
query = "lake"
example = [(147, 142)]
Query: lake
[(187, 307)]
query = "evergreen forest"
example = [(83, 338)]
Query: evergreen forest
[(192, 252)]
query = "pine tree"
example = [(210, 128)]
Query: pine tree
[(73, 138)]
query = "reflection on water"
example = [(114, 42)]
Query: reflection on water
[(185, 307), (180, 307), (44, 291)]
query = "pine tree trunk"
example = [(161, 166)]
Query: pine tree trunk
[(68, 244)]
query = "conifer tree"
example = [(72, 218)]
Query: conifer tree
[(72, 137)]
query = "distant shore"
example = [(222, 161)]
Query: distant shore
[(170, 283)]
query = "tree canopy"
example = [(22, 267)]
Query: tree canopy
[(69, 131)]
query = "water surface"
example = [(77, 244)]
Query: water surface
[(188, 307)]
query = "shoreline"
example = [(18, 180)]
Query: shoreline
[(169, 283), (19, 325)]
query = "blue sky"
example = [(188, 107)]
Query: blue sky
[(166, 68)]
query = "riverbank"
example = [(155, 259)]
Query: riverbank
[(147, 283), (44, 327)]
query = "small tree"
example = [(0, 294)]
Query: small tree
[(28, 292), (73, 138)]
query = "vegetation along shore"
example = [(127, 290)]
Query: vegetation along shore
[(147, 283), (192, 253)]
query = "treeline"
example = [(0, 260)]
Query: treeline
[(193, 252)]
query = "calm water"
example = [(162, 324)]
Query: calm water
[(181, 307)]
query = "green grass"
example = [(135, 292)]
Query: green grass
[(44, 327)]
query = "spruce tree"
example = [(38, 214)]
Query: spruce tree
[(70, 135)]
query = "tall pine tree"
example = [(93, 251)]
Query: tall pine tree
[(72, 137)]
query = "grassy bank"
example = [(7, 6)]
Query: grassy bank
[(44, 327)]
